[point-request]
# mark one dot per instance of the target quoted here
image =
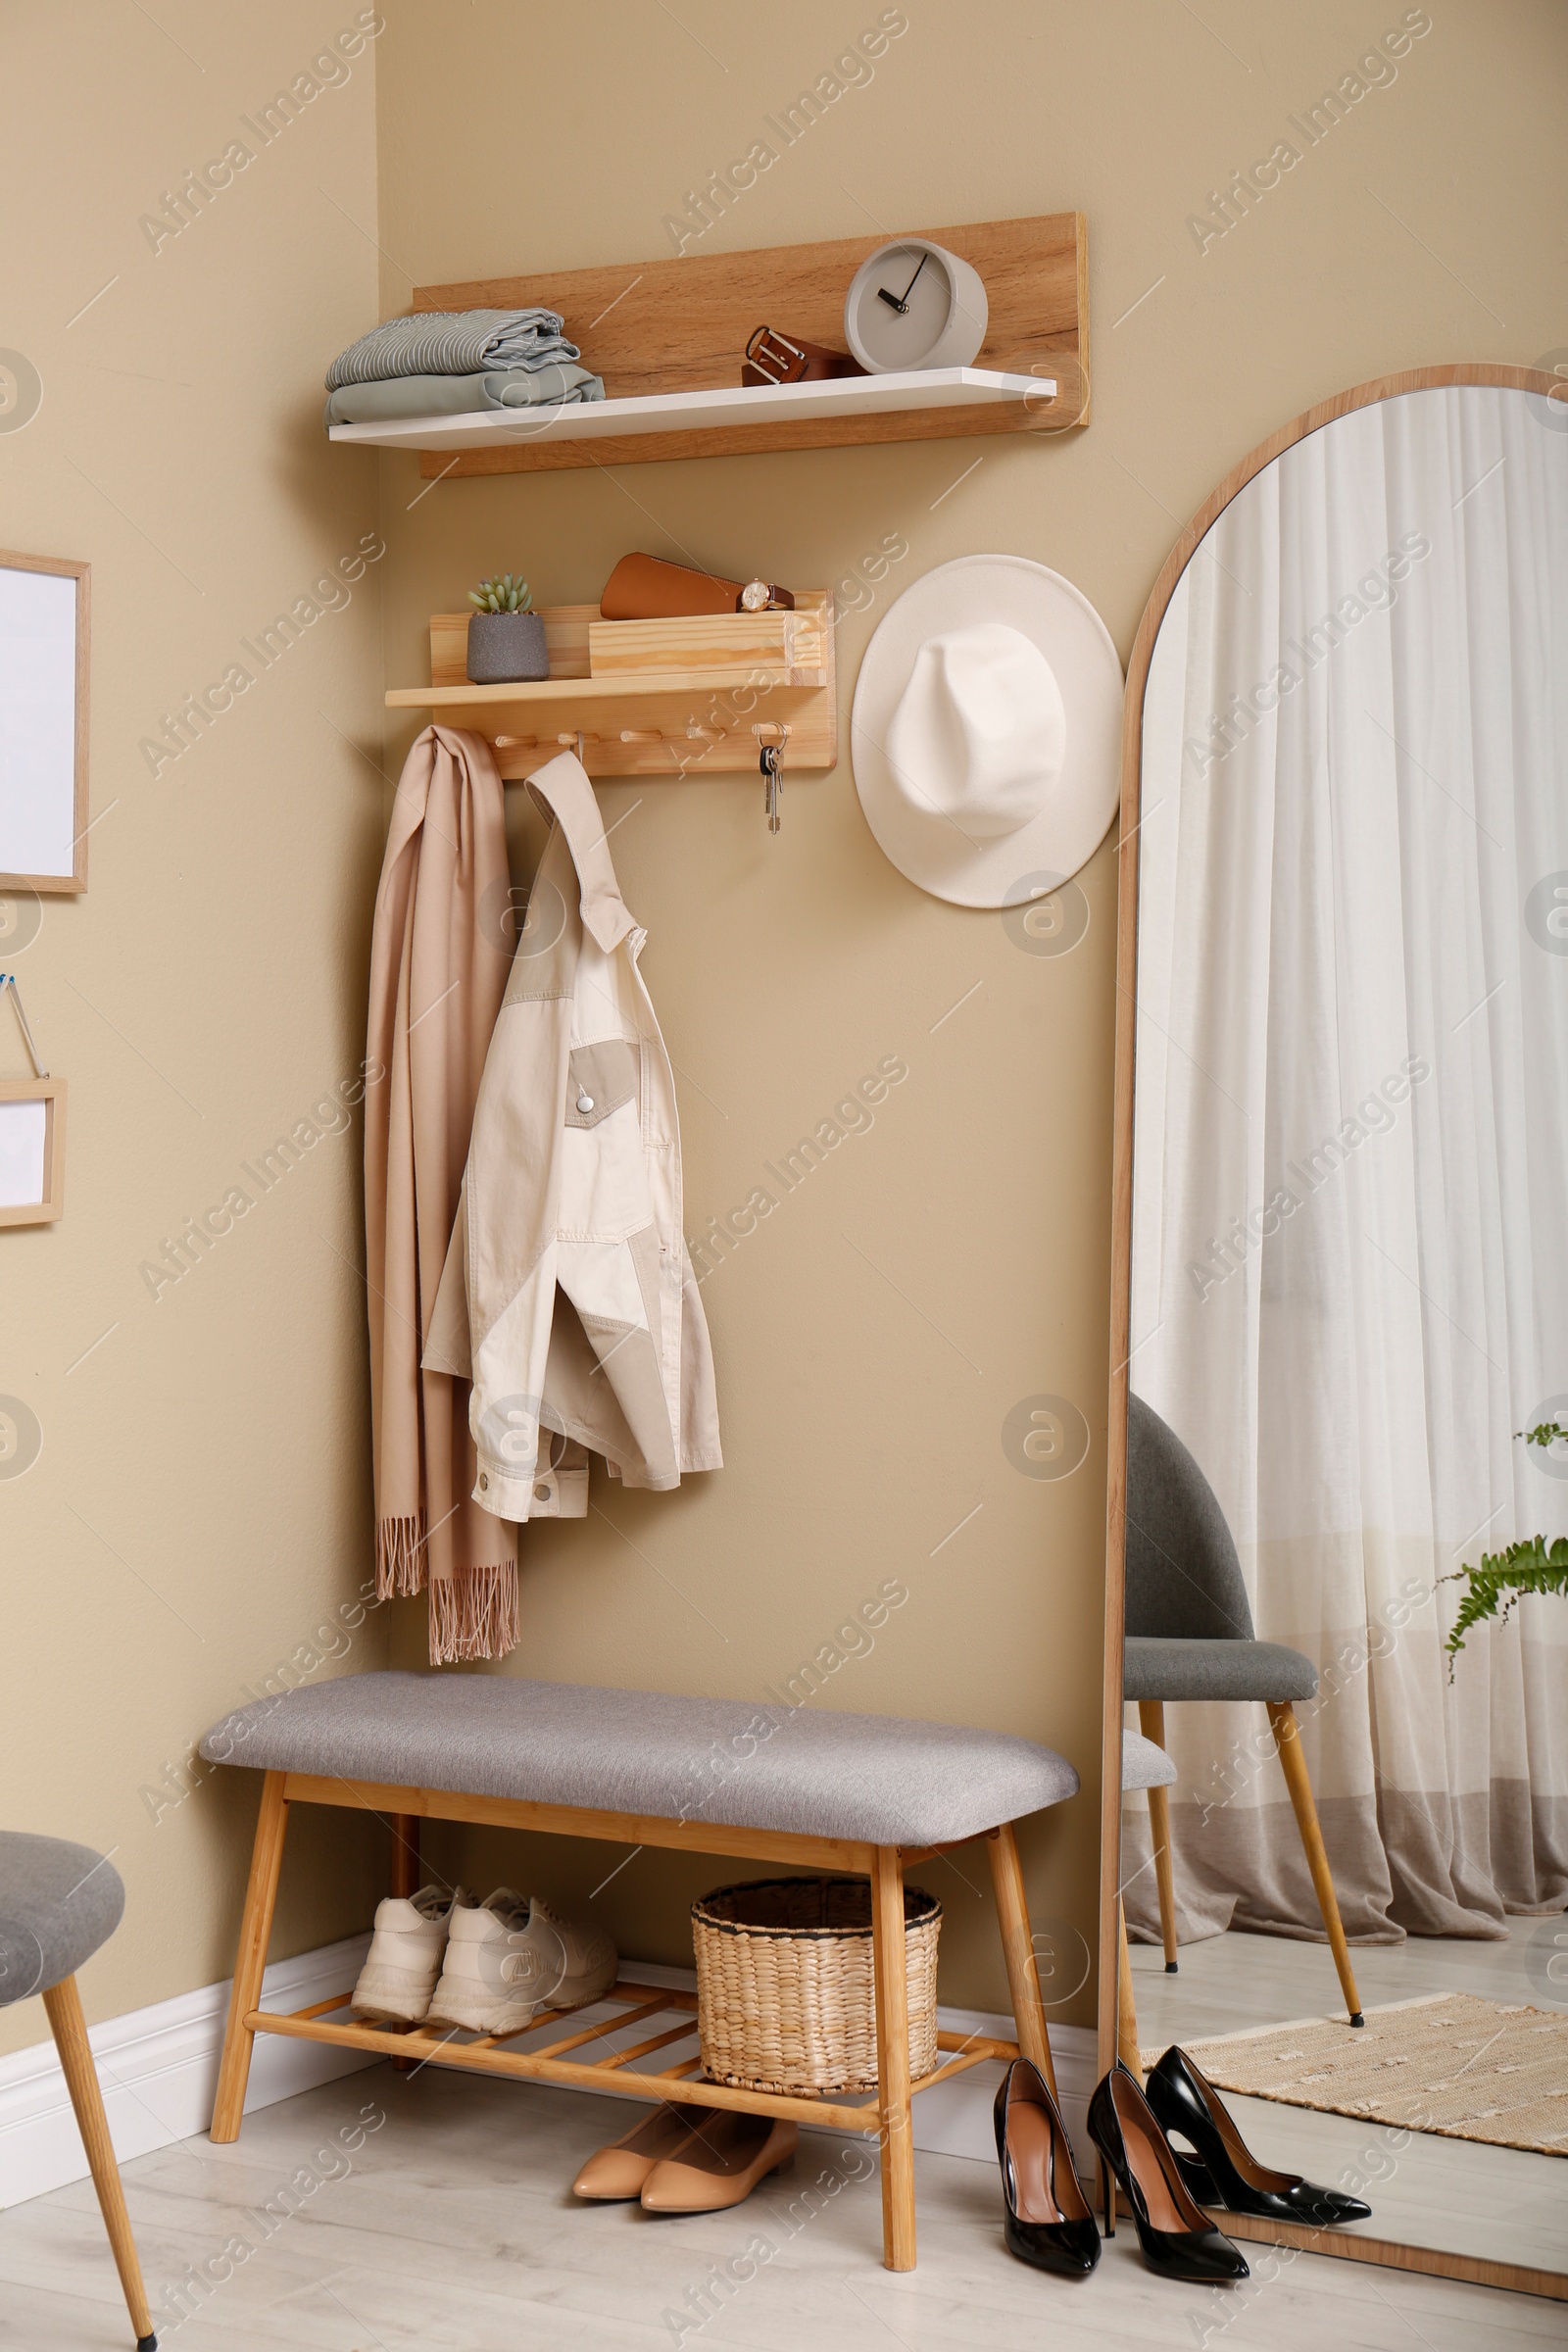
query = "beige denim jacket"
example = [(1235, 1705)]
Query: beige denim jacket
[(567, 1296)]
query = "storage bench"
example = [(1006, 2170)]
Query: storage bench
[(806, 1788)]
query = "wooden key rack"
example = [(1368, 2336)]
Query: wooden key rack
[(657, 699)]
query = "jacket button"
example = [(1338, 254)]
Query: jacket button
[(541, 1493), (585, 1102), (483, 1482)]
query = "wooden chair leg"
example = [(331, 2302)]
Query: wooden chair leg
[(62, 2004), (1128, 2048), (1288, 1740), (1151, 1723), (1018, 1951), (893, 2060), (255, 1933)]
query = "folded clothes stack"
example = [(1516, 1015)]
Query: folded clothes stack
[(454, 363)]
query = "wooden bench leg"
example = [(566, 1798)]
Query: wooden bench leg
[(405, 1853), (255, 1933), (63, 2005), (1151, 1723), (893, 2060), (1288, 1740), (1018, 1951), (404, 1882)]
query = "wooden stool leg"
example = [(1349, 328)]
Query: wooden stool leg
[(255, 1933), (893, 2060), (1151, 1723), (1018, 1951), (1288, 1740), (62, 2003), (1128, 2049)]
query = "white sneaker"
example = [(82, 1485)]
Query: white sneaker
[(512, 1957), (406, 1952)]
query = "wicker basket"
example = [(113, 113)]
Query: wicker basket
[(785, 1995)]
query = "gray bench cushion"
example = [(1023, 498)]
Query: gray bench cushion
[(760, 1766), (58, 1901), (1157, 1666)]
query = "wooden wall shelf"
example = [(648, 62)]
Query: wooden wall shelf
[(663, 725), (660, 333)]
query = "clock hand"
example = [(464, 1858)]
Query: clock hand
[(901, 302)]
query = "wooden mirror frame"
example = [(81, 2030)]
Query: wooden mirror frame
[(1342, 2245)]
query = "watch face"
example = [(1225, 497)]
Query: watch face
[(897, 338), (753, 596)]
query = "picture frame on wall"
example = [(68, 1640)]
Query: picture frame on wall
[(44, 637), (33, 1149)]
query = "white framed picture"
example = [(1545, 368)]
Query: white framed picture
[(43, 723), (33, 1149)]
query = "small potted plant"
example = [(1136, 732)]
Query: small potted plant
[(506, 636), (1530, 1566)]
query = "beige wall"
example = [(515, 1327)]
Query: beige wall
[(864, 1403), (217, 1440), (200, 1503)]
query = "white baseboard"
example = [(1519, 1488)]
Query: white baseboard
[(159, 2070)]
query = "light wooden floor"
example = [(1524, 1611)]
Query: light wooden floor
[(1502, 2203), (456, 2232)]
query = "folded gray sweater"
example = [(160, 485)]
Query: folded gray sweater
[(453, 343), (556, 385)]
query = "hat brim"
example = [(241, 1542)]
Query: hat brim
[(936, 853)]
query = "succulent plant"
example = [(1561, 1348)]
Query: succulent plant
[(505, 593)]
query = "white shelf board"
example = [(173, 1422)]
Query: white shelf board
[(688, 411)]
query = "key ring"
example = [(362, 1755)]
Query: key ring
[(770, 761)]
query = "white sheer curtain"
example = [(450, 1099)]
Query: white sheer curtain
[(1351, 1175)]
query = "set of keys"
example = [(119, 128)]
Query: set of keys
[(771, 760)]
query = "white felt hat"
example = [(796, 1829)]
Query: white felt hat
[(986, 730)]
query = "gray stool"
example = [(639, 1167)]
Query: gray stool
[(1189, 1635), (58, 1903)]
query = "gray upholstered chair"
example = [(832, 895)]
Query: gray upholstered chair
[(1189, 1635), (58, 1903)]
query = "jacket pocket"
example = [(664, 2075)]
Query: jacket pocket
[(601, 1078)]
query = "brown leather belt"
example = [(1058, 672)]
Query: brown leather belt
[(772, 357)]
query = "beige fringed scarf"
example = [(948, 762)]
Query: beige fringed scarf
[(440, 958)]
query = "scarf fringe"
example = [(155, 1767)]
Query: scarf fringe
[(474, 1614), (400, 1557)]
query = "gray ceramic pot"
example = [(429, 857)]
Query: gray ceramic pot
[(505, 647)]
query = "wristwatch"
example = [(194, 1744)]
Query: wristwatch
[(759, 596)]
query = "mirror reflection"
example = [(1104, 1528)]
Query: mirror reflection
[(1347, 1471)]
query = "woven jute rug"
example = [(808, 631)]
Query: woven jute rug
[(1453, 2063)]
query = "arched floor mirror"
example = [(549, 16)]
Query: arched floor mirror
[(1340, 1330)]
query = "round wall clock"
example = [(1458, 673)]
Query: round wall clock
[(912, 304)]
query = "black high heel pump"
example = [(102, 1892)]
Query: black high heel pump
[(1046, 2219), (1178, 2239), (1224, 2172)]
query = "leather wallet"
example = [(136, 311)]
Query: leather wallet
[(772, 357), (646, 588)]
